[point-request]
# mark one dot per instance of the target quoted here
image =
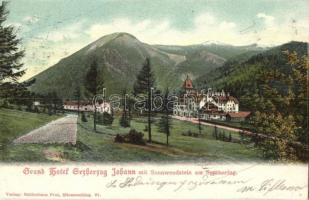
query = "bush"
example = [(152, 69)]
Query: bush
[(5, 104), (105, 119), (135, 137), (132, 137), (124, 121), (29, 108), (36, 109), (191, 134), (19, 107), (119, 139)]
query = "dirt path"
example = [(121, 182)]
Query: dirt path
[(62, 130), (195, 121)]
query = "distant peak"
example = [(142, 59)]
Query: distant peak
[(215, 42), (121, 34)]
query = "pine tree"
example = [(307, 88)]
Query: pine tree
[(94, 84), (56, 102), (165, 121), (242, 137), (143, 85), (216, 132), (84, 119), (10, 56), (200, 128), (124, 120)]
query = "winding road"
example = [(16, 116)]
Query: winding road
[(63, 130)]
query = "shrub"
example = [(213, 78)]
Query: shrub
[(132, 137), (105, 119), (191, 134), (119, 139), (81, 146), (36, 109), (223, 136), (5, 104), (135, 137), (124, 121), (195, 134), (29, 108), (19, 107)]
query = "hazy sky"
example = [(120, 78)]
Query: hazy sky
[(53, 29)]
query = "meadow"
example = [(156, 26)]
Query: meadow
[(100, 146)]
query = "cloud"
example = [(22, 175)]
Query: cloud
[(29, 20), (46, 49), (268, 19), (205, 27), (69, 32), (60, 43), (204, 19)]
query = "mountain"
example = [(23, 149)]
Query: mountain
[(239, 74), (120, 56)]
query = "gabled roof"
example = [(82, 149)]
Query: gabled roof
[(225, 99), (75, 103), (187, 83), (241, 114)]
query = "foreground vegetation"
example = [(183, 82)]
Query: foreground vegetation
[(100, 146), (14, 123)]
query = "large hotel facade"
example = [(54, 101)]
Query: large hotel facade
[(209, 105)]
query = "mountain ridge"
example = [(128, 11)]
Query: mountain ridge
[(120, 56)]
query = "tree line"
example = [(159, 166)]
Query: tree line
[(144, 84)]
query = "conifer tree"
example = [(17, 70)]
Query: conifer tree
[(165, 121), (143, 85), (77, 95), (216, 132), (94, 85), (200, 128), (10, 56), (124, 120)]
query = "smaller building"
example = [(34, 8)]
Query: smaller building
[(87, 106), (36, 103), (238, 117)]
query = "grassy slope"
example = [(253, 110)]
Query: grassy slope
[(181, 147), (14, 123), (99, 147)]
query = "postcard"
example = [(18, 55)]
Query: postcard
[(165, 99)]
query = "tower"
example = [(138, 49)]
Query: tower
[(188, 85)]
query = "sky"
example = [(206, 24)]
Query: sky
[(53, 29)]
